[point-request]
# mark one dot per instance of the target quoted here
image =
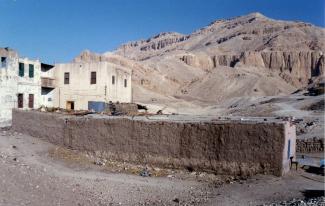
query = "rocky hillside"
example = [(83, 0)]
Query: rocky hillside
[(249, 55)]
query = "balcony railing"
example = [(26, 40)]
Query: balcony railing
[(47, 82)]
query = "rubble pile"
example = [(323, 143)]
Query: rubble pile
[(314, 201)]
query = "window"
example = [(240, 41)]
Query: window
[(21, 69), (3, 61), (31, 71), (31, 101), (113, 79), (20, 100), (125, 83), (66, 78), (93, 78)]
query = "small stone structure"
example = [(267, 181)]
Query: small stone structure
[(232, 147)]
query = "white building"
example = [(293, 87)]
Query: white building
[(30, 84), (8, 83), (20, 84), (79, 84)]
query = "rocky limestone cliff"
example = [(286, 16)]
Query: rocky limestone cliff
[(293, 48), (151, 45), (300, 66), (199, 61), (253, 32)]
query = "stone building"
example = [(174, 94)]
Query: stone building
[(20, 83), (79, 84)]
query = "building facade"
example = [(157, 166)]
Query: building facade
[(79, 84), (30, 84), (20, 84), (8, 83)]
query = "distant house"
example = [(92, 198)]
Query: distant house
[(20, 83), (78, 85)]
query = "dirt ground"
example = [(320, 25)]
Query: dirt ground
[(31, 175)]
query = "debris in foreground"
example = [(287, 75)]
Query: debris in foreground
[(314, 201)]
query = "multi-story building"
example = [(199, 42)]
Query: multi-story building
[(20, 83), (30, 84), (79, 84)]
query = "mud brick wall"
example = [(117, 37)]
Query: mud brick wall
[(237, 148), (310, 145), (48, 126)]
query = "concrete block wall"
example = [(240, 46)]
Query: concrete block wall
[(223, 147)]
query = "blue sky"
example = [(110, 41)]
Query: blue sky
[(58, 30)]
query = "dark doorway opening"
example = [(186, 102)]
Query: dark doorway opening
[(70, 105), (20, 100)]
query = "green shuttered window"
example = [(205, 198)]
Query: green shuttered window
[(21, 69), (31, 71)]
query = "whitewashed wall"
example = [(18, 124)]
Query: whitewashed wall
[(27, 85), (8, 88), (11, 84), (81, 91)]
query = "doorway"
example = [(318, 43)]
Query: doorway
[(31, 101), (70, 105), (20, 100)]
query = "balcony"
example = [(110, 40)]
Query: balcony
[(47, 82)]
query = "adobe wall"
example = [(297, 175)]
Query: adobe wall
[(237, 148)]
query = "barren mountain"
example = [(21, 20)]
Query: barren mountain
[(248, 56)]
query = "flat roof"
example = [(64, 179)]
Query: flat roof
[(180, 118), (192, 118)]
